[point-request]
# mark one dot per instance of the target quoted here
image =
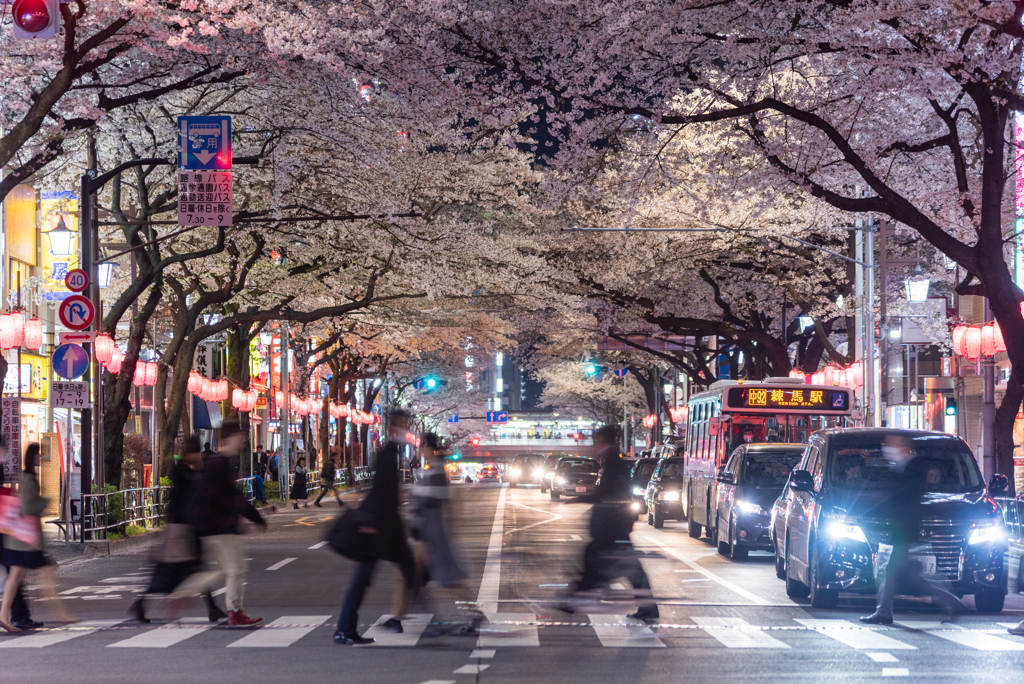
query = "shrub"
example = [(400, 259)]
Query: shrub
[(133, 530), (115, 503)]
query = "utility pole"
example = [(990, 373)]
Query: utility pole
[(86, 240), (988, 410), (285, 412), (870, 400)]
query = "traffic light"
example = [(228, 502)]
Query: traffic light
[(456, 456), (35, 18), (950, 406), (591, 369), (475, 441)]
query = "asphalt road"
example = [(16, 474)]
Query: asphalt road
[(721, 620)]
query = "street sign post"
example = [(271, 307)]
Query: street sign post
[(205, 198), (204, 142), (83, 337), (72, 395), (375, 409), (70, 361), (497, 416), (620, 372), (453, 419), (76, 312), (76, 280)]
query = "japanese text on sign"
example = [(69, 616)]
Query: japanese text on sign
[(10, 432), (205, 198), (777, 397), (73, 395)]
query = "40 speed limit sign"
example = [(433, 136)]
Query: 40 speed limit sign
[(204, 198)]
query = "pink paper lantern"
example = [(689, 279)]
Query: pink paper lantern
[(997, 334), (204, 389), (152, 371), (103, 347), (988, 341), (18, 319), (139, 378), (34, 334), (6, 331), (237, 400), (116, 359), (797, 373), (958, 340), (972, 343)]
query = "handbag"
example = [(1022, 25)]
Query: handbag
[(24, 528), (349, 537), (180, 544)]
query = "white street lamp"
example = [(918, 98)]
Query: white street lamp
[(62, 239), (917, 286), (106, 273)]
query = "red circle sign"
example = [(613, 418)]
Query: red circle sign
[(76, 312), (76, 280)]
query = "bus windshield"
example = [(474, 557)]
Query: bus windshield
[(782, 428)]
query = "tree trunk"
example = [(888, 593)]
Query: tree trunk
[(238, 376)]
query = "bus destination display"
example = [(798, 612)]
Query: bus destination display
[(789, 398)]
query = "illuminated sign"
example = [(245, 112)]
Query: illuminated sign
[(817, 400)]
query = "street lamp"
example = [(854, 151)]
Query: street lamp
[(106, 273), (61, 239), (917, 286)]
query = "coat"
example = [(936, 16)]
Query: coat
[(221, 503), (32, 505), (382, 505), (299, 485), (430, 497)]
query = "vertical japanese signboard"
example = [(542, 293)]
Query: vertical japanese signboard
[(10, 432), (204, 171)]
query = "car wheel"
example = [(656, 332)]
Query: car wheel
[(650, 516), (989, 602), (543, 489), (555, 496), (736, 552), (693, 529), (711, 532), (821, 597), (724, 547), (794, 588), (780, 564), (659, 521)]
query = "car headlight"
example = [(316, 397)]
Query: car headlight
[(638, 491), (750, 507), (538, 473), (636, 506), (560, 480), (837, 529), (990, 534), (671, 496), (550, 476), (515, 472)]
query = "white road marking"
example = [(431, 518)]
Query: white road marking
[(224, 590), (281, 564), (576, 537), (166, 635), (855, 636), (958, 635), (632, 635), (710, 575), (57, 636), (439, 681), (737, 638), (287, 629), (509, 635), (470, 669), (317, 546), (555, 517), (412, 628), (482, 653), (487, 597), (883, 657), (895, 672)]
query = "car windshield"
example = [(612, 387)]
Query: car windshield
[(768, 468), (643, 469), (880, 462), (672, 470), (583, 465)]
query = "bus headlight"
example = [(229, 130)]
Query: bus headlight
[(638, 491), (670, 496)]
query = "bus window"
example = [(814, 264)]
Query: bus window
[(799, 429)]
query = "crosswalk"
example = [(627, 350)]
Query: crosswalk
[(510, 630)]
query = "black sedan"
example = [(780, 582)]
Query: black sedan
[(664, 492), (748, 485), (642, 471), (574, 476)]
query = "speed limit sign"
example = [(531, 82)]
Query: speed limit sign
[(76, 280)]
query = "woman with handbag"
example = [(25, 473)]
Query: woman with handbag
[(24, 552), (178, 554), (299, 485)]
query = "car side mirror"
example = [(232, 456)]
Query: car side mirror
[(725, 477), (998, 485), (801, 481)]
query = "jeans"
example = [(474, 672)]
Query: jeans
[(229, 552), (361, 580)]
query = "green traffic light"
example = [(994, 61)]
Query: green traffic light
[(431, 383), (591, 369), (456, 456)]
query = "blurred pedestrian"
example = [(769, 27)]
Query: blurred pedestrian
[(258, 489), (327, 477), (381, 504), (905, 510), (299, 485), (207, 451), (272, 464), (610, 553), (262, 461), (221, 507), (21, 616), (435, 554), (178, 556), (21, 557)]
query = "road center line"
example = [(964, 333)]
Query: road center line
[(710, 575), (280, 564), (490, 583), (317, 546)]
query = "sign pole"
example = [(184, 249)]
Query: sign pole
[(85, 230)]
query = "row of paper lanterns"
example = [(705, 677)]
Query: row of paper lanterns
[(244, 401), (973, 342), (15, 331), (851, 376)]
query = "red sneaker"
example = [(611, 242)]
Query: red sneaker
[(238, 618)]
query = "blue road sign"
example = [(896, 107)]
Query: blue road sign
[(204, 142), (497, 416), (375, 409), (453, 419), (620, 372), (70, 361)]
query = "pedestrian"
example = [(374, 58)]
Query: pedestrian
[(299, 485), (327, 476), (262, 461), (610, 553), (21, 557), (21, 616), (273, 466), (221, 507), (381, 504), (207, 451), (433, 549), (258, 490), (179, 554), (906, 511)]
